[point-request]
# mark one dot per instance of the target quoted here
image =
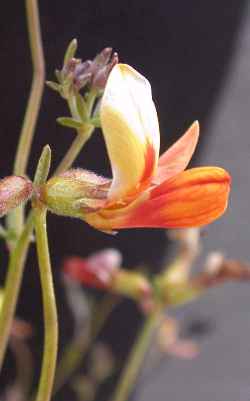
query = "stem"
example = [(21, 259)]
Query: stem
[(15, 219), (82, 135), (12, 286), (79, 346), (17, 262), (75, 148), (24, 372), (15, 270), (36, 91), (49, 308), (135, 359)]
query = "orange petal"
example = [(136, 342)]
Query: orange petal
[(131, 132), (177, 157), (193, 198)]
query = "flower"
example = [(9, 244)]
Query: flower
[(147, 190), (102, 270)]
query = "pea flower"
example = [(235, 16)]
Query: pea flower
[(97, 270), (146, 190)]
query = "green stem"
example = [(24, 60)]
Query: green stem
[(36, 91), (92, 95), (135, 359), (49, 308), (15, 219), (12, 285), (17, 262), (82, 136), (75, 148)]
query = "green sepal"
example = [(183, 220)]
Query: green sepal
[(59, 76), (53, 85), (70, 52)]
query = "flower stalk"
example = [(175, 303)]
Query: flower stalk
[(49, 307), (12, 286), (16, 218), (136, 357)]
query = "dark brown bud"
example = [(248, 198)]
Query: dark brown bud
[(103, 57), (14, 190), (103, 70)]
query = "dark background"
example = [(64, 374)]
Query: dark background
[(196, 55)]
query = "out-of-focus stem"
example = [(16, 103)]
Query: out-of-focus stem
[(75, 352), (49, 308), (136, 357), (24, 366), (17, 262), (12, 285)]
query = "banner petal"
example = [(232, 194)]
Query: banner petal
[(131, 132)]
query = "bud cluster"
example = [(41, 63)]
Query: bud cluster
[(90, 75), (76, 74), (94, 72)]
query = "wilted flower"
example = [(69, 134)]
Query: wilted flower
[(95, 271), (148, 191), (103, 270)]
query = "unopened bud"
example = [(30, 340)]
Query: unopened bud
[(74, 193), (14, 190), (101, 74), (103, 58)]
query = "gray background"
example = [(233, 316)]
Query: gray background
[(221, 372)]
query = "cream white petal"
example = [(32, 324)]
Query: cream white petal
[(131, 131)]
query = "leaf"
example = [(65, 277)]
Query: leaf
[(69, 122)]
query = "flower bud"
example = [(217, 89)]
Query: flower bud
[(14, 190), (103, 64), (74, 193)]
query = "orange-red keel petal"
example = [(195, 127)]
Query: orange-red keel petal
[(193, 198)]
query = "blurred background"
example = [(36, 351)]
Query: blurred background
[(196, 56)]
